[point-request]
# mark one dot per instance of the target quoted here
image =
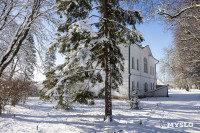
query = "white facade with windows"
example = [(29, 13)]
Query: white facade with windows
[(139, 71)]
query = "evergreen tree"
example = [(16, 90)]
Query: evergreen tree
[(50, 59), (91, 47), (30, 57), (49, 72), (26, 59), (135, 100)]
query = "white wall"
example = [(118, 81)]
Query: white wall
[(136, 75), (123, 89), (161, 92), (139, 75)]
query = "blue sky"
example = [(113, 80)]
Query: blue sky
[(156, 37)]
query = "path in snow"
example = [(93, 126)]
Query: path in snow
[(37, 116)]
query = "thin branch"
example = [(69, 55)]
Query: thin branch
[(162, 12)]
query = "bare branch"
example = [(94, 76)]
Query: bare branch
[(163, 12)]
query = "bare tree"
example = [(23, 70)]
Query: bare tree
[(24, 30), (174, 65), (182, 60), (183, 17), (18, 18)]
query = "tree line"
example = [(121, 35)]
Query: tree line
[(22, 34), (182, 60)]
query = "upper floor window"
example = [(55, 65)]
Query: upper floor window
[(137, 64), (133, 63), (145, 65), (153, 71), (150, 70)]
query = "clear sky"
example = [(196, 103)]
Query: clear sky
[(155, 36)]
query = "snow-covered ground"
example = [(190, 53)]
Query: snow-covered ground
[(178, 113)]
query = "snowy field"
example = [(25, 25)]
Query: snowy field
[(178, 113)]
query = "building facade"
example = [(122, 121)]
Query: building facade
[(139, 72)]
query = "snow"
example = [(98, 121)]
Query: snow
[(52, 92), (156, 114), (160, 82), (81, 27), (101, 40), (83, 55), (136, 35)]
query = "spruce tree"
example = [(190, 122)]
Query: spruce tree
[(50, 59), (49, 72), (26, 58), (92, 47), (135, 100), (30, 57)]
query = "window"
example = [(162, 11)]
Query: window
[(150, 70), (145, 87), (153, 71), (137, 64), (138, 86), (145, 65), (133, 85), (153, 86), (133, 63)]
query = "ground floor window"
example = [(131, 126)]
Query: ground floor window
[(133, 85), (153, 86), (138, 86), (145, 87)]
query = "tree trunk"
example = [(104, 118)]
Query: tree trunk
[(186, 85), (108, 102), (0, 107), (19, 37)]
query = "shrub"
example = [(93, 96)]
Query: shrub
[(15, 91)]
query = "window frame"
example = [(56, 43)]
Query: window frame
[(138, 64), (145, 87), (133, 63), (138, 85), (133, 85), (145, 65)]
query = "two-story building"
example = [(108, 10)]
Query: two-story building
[(139, 72)]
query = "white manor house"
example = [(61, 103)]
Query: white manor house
[(139, 72)]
